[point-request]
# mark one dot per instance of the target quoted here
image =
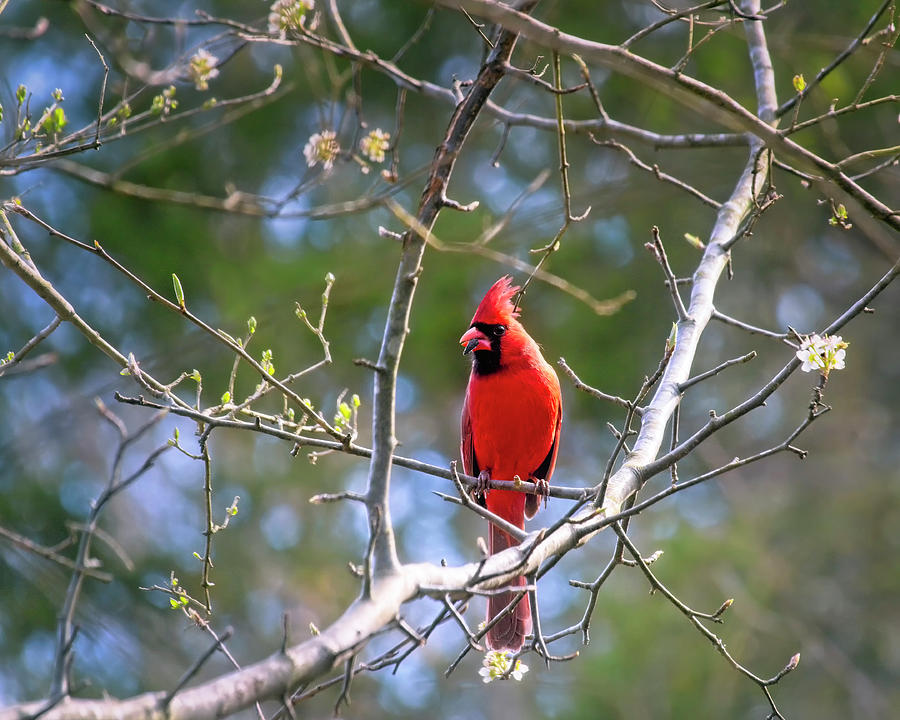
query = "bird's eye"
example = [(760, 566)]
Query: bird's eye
[(499, 330)]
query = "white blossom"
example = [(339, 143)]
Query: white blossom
[(287, 15), (374, 145), (202, 68), (322, 148), (496, 665), (822, 353)]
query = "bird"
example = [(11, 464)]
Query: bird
[(510, 429)]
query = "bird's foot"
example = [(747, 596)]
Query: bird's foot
[(541, 489), (483, 486)]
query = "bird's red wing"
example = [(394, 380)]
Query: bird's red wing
[(467, 441), (545, 469), (467, 449)]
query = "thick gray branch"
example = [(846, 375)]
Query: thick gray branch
[(628, 479)]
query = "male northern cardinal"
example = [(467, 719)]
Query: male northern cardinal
[(510, 427)]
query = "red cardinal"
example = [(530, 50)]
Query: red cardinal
[(510, 427)]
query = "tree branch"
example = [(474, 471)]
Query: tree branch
[(396, 326)]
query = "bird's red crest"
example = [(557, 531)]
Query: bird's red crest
[(497, 307)]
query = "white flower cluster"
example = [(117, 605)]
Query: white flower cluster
[(374, 145), (496, 665), (322, 148), (202, 68), (287, 15), (822, 353)]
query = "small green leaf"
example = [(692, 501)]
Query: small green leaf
[(251, 324), (344, 410), (670, 341), (21, 91), (799, 83), (174, 604), (226, 397), (54, 120), (355, 400), (179, 292), (695, 241), (176, 434), (197, 555), (195, 376)]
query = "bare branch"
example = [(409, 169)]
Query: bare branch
[(659, 251), (599, 394), (694, 617), (657, 173), (752, 329), (50, 554), (195, 668), (8, 365), (66, 629), (716, 370)]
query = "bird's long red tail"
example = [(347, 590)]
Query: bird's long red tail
[(510, 631)]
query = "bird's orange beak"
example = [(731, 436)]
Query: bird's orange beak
[(474, 339)]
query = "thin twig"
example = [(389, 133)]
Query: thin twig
[(716, 370), (29, 346), (195, 667), (752, 329), (670, 17), (657, 173), (649, 382), (695, 617), (656, 247), (594, 392)]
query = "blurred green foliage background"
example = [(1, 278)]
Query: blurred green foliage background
[(808, 549)]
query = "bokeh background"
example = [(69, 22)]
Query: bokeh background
[(808, 549)]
